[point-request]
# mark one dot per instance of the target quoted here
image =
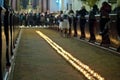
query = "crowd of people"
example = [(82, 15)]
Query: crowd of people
[(68, 19), (80, 17), (36, 19)]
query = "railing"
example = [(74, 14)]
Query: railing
[(113, 35), (9, 30), (112, 32)]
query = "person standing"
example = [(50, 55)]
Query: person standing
[(61, 21), (82, 14), (70, 19), (117, 11), (104, 20), (65, 25), (75, 21), (92, 20)]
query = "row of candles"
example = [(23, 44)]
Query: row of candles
[(77, 64)]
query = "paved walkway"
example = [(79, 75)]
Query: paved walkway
[(36, 60)]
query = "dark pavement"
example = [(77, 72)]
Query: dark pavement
[(37, 60)]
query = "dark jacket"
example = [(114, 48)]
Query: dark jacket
[(105, 10)]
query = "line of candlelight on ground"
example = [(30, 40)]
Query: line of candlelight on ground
[(77, 64)]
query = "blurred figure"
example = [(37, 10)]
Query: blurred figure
[(26, 19), (70, 19), (46, 19), (30, 19), (82, 14), (75, 21), (42, 20), (65, 25), (21, 18), (34, 19), (117, 11), (50, 20), (38, 23), (104, 21), (92, 21), (61, 21)]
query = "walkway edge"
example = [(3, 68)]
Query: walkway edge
[(11, 69), (111, 49)]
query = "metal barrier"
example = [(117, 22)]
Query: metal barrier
[(0, 46), (112, 32), (114, 42), (9, 30)]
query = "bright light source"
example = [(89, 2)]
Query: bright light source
[(57, 1), (77, 64)]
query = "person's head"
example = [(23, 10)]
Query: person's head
[(71, 11), (61, 12), (83, 7), (104, 3), (95, 7)]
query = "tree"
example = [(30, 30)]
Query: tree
[(91, 3)]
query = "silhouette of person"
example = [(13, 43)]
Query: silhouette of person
[(82, 14), (92, 21), (104, 19)]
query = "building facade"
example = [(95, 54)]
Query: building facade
[(57, 5)]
